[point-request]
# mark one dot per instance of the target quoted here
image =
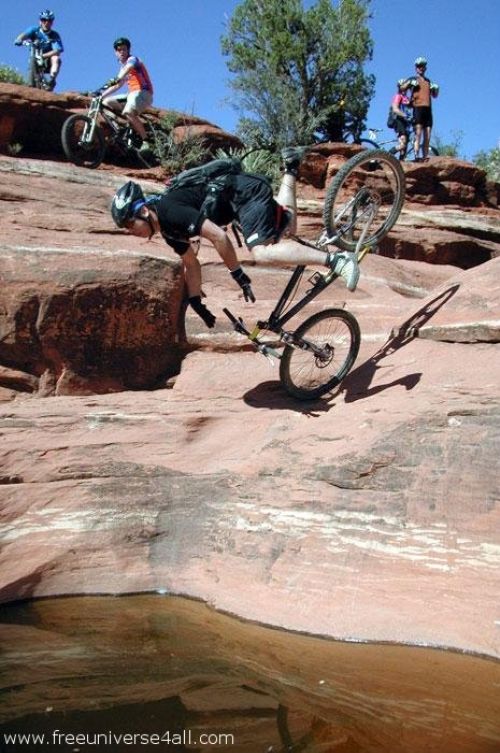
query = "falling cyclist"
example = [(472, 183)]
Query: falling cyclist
[(183, 213)]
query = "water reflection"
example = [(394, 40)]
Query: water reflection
[(88, 672)]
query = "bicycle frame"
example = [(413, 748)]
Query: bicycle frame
[(277, 319), (38, 65), (98, 108)]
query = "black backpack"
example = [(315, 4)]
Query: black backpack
[(214, 173), (391, 118)]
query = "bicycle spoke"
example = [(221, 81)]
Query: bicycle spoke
[(364, 200), (326, 346)]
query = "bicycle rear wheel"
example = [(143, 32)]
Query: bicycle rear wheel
[(364, 199), (78, 146), (325, 348)]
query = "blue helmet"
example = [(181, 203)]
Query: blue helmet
[(47, 15), (127, 201)]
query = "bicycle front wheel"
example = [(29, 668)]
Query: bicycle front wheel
[(324, 350), (364, 200), (81, 146)]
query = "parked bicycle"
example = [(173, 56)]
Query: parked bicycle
[(86, 138), (391, 145), (38, 67), (362, 204)]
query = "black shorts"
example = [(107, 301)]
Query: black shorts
[(249, 199), (401, 126), (422, 116), (255, 207)]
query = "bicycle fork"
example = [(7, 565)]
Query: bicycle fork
[(253, 336)]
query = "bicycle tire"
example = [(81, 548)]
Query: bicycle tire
[(368, 144), (33, 75), (434, 151), (306, 375), (83, 155), (364, 200)]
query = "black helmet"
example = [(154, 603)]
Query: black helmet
[(47, 15), (122, 40), (126, 202)]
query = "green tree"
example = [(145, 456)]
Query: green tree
[(298, 74), (490, 161)]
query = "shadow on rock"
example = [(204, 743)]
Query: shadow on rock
[(357, 384), (272, 395)]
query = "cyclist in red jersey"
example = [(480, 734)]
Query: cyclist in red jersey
[(134, 73), (423, 90)]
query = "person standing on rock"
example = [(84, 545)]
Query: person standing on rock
[(183, 213), (49, 41), (134, 73), (401, 117), (423, 90)]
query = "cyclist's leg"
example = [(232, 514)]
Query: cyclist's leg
[(288, 252), (427, 133), (418, 138), (115, 102), (287, 197), (136, 103)]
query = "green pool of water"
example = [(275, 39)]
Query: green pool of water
[(157, 673)]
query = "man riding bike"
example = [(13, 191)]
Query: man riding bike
[(49, 42), (184, 213), (134, 73)]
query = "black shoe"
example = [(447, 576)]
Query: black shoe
[(292, 157), (50, 83)]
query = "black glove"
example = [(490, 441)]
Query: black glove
[(202, 311), (244, 281)]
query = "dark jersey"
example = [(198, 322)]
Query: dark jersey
[(248, 199)]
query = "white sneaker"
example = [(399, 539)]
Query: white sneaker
[(346, 266)]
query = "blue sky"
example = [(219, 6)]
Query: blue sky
[(179, 40)]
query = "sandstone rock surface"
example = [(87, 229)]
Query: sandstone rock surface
[(32, 119), (371, 515)]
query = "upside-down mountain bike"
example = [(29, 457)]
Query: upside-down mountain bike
[(86, 138), (362, 204)]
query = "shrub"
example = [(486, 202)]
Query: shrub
[(449, 148), (489, 160), (176, 155), (10, 75), (262, 161)]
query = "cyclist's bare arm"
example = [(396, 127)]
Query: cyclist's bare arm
[(222, 243), (119, 80)]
